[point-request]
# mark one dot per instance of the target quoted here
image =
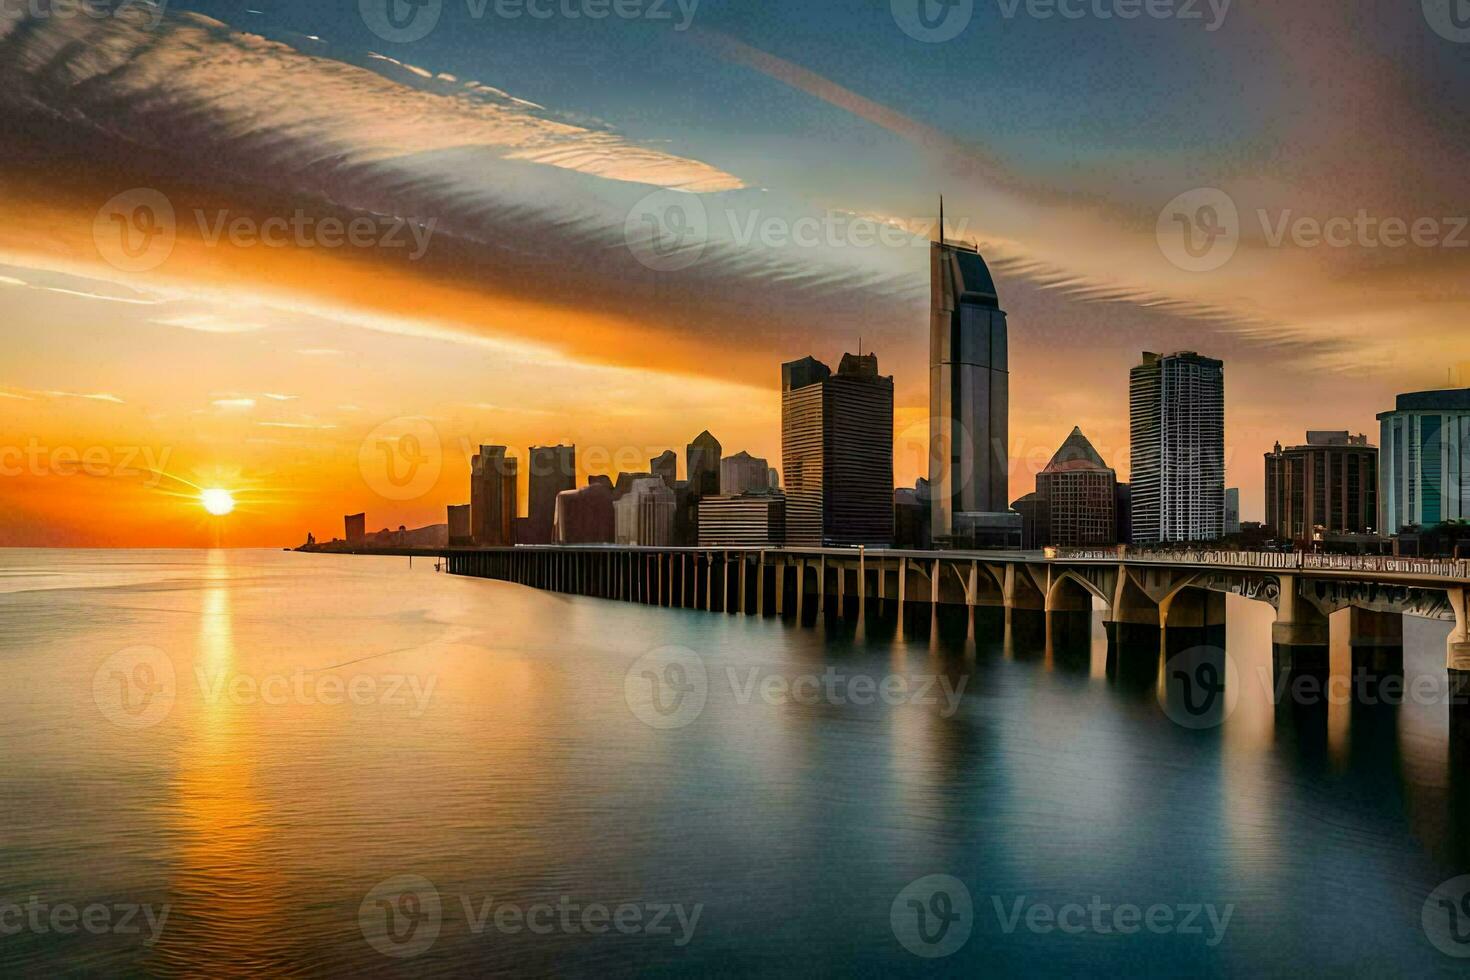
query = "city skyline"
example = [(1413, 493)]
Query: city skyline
[(268, 369)]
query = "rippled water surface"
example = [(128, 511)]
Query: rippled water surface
[(248, 744)]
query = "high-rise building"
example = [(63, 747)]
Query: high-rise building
[(1081, 495), (1425, 462), (666, 467), (1232, 510), (1076, 499), (969, 392), (459, 532), (837, 452), (553, 470), (1328, 486), (751, 519), (586, 516), (645, 514), (356, 528), (1178, 448), (493, 503), (702, 464), (743, 472)]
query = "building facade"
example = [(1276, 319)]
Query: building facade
[(1327, 486), (1076, 500), (751, 519), (459, 533), (355, 528), (1425, 460), (665, 466), (837, 452), (702, 465), (1232, 510), (969, 390), (493, 497), (1081, 495), (1177, 410), (553, 470), (586, 516), (743, 472), (645, 515)]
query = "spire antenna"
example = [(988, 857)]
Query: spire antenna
[(941, 219)]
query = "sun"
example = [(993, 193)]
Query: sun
[(217, 502)]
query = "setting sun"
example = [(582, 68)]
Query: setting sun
[(217, 502)]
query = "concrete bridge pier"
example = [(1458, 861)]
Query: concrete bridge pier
[(1457, 650), (1025, 610), (1132, 619), (1300, 636), (1068, 620), (1377, 641), (1190, 618)]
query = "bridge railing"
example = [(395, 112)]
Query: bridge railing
[(1278, 561)]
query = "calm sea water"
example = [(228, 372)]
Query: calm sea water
[(284, 763)]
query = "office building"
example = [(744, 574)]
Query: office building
[(1328, 486), (1232, 510), (356, 529), (493, 504), (553, 470), (585, 516), (837, 452), (751, 519), (1177, 404), (702, 465), (460, 535), (1425, 462), (666, 467), (743, 472), (645, 515), (969, 392), (1076, 500)]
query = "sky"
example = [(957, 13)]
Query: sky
[(314, 253)]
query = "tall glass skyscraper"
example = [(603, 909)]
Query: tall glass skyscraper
[(1177, 408), (969, 393), (1424, 460)]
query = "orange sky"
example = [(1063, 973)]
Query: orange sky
[(530, 318)]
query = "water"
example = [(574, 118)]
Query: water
[(490, 749)]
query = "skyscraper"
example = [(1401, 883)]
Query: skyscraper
[(665, 466), (837, 452), (969, 390), (1328, 485), (1425, 460), (702, 464), (553, 470), (493, 490), (1178, 448)]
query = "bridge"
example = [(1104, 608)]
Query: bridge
[(1171, 598)]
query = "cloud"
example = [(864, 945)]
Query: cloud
[(195, 80), (233, 403)]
